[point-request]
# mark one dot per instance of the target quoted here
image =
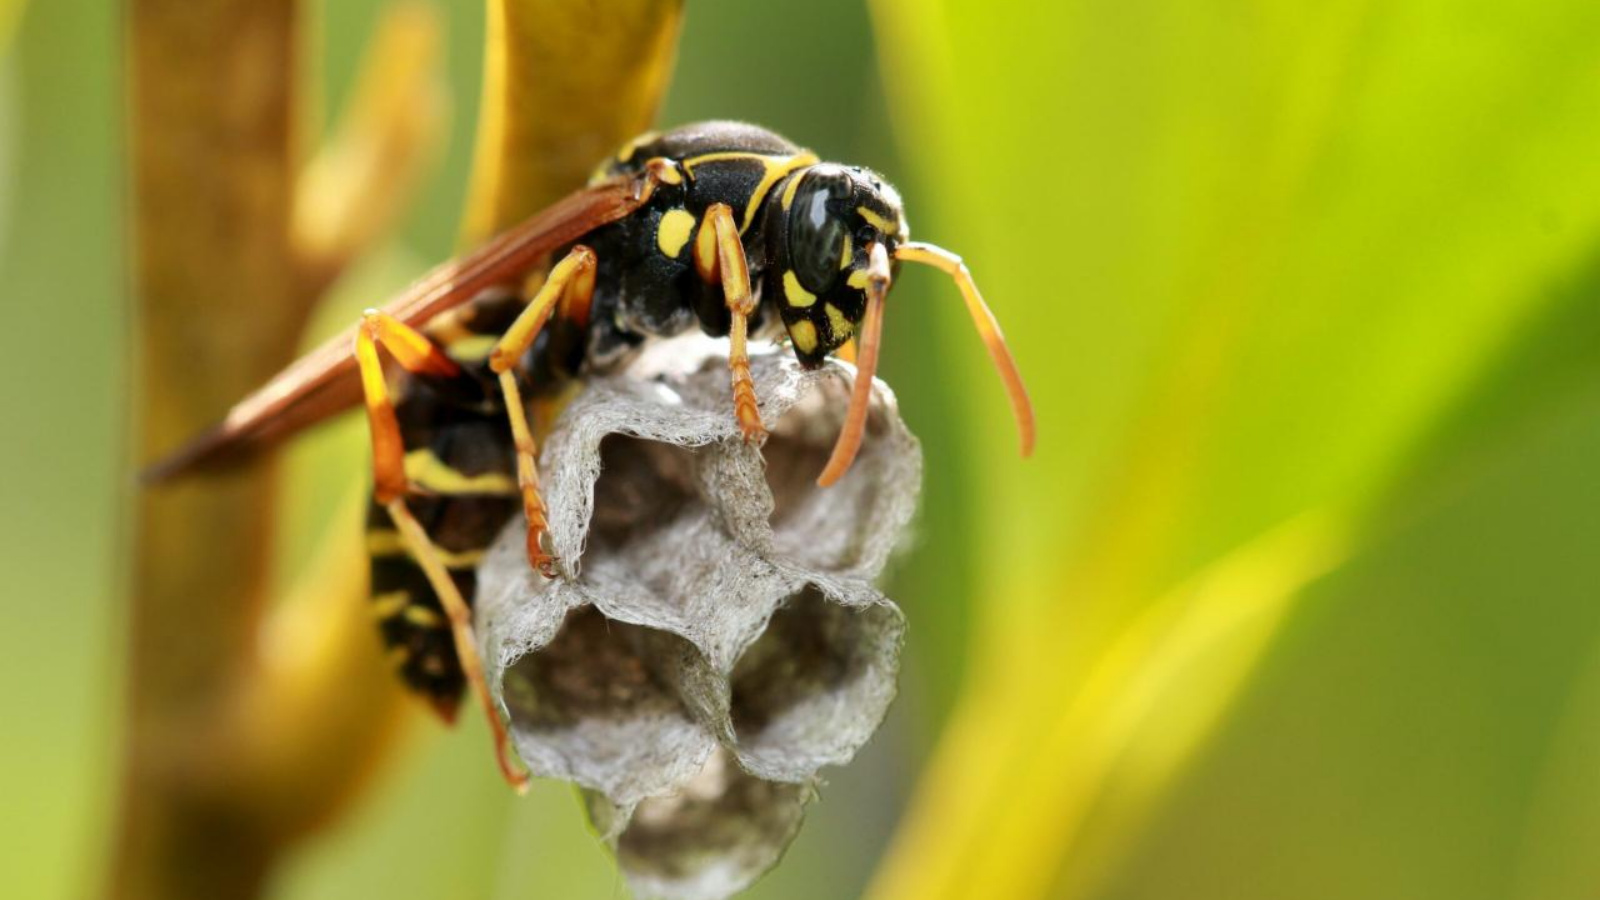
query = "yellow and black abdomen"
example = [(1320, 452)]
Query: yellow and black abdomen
[(462, 465)]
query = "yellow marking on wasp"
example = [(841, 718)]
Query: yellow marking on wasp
[(790, 190), (423, 617), (729, 156), (665, 170), (398, 656), (776, 168), (794, 293), (389, 543), (674, 230), (471, 349), (386, 605), (632, 147), (427, 470), (705, 254), (848, 254), (878, 222), (804, 335), (841, 326), (858, 279)]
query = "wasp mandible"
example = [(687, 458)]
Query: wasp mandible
[(723, 226)]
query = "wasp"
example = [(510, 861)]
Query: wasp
[(722, 226)]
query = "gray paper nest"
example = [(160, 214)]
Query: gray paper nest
[(713, 638)]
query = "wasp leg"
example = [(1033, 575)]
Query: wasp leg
[(428, 557), (573, 279), (719, 255), (418, 355), (988, 329)]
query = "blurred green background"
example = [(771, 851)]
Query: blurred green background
[(1300, 596)]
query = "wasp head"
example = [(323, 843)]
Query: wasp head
[(835, 240), (820, 272)]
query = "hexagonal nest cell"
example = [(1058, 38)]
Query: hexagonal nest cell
[(840, 529), (815, 686), (710, 838)]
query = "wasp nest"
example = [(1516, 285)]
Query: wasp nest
[(713, 638)]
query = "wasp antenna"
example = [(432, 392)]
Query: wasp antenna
[(988, 329), (855, 421)]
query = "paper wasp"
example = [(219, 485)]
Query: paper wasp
[(722, 226)]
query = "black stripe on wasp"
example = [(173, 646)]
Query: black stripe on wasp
[(720, 226)]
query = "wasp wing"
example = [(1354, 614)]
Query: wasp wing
[(325, 382)]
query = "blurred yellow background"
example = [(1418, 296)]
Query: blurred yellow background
[(1300, 596)]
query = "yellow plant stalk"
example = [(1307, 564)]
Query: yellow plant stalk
[(10, 12), (564, 85), (358, 183)]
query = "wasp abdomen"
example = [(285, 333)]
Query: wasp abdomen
[(462, 471)]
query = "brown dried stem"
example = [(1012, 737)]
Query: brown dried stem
[(219, 310), (211, 790), (246, 731)]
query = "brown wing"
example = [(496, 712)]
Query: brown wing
[(325, 382)]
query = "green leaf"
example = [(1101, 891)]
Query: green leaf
[(1257, 263), (1426, 727)]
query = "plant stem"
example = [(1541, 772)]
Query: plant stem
[(565, 83), (232, 753), (220, 307)]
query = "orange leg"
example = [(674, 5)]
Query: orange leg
[(418, 355), (572, 279), (719, 256), (871, 335), (415, 353), (988, 329)]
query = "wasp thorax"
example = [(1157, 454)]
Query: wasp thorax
[(819, 232)]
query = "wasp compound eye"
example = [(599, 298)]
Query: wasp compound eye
[(817, 228)]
